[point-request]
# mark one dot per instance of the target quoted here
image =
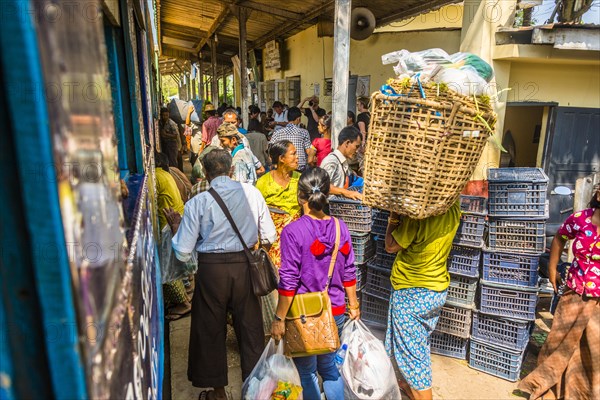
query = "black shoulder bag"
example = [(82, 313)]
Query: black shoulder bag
[(262, 271)]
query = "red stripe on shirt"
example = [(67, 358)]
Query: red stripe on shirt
[(338, 310), (350, 283), (287, 293)]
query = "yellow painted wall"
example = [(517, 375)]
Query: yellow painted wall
[(568, 85), (450, 16), (311, 57)]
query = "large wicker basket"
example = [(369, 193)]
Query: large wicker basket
[(422, 152)]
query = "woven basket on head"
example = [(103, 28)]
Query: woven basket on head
[(422, 152)]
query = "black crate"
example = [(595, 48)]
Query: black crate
[(503, 332), (382, 259), (464, 261), (517, 236), (374, 309), (455, 321), (470, 230), (517, 193), (361, 276), (512, 269), (461, 291), (378, 282), (380, 221), (448, 345)]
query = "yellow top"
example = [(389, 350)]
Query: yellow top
[(167, 195), (284, 198), (425, 246)]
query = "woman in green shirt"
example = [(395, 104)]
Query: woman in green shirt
[(420, 281)]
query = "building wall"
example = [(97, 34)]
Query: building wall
[(521, 121), (568, 85), (311, 57)]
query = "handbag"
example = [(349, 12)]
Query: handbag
[(310, 328), (262, 271)]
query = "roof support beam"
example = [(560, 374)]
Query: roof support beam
[(214, 27), (242, 16), (280, 31), (213, 63), (267, 9)]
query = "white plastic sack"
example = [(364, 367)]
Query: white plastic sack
[(465, 81), (274, 376), (170, 267), (367, 371)]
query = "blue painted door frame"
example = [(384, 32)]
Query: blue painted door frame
[(41, 247)]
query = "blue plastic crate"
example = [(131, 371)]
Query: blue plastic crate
[(497, 361), (378, 282), (461, 291), (380, 221), (473, 204), (361, 276), (448, 345), (512, 269), (356, 215), (464, 261), (382, 259), (470, 230), (364, 247), (497, 331), (374, 309), (455, 321), (517, 236), (508, 301), (517, 193)]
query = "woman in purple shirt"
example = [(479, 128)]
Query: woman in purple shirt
[(306, 250)]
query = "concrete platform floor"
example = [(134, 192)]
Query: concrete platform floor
[(452, 378)]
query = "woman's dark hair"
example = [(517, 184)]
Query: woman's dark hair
[(161, 160), (164, 110), (364, 101), (217, 163), (352, 117), (278, 149), (325, 120), (313, 187), (594, 203), (350, 133)]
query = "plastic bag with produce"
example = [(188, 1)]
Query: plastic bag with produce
[(274, 377)]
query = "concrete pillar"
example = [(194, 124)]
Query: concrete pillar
[(242, 16), (341, 67), (481, 19)]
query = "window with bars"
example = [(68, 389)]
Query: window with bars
[(328, 89), (293, 90)]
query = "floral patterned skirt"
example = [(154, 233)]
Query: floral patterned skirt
[(412, 316), (269, 302)]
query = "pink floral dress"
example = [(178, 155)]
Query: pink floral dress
[(584, 274)]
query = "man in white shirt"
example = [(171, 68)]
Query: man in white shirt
[(223, 277), (280, 116), (336, 163)]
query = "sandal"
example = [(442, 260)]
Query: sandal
[(205, 395), (176, 312)]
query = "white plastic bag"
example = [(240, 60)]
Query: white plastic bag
[(274, 376), (367, 371), (170, 267)]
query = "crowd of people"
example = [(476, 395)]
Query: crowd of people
[(275, 179), (269, 179)]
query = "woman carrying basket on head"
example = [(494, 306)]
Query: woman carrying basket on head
[(568, 362), (420, 281), (308, 253)]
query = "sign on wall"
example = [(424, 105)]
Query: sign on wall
[(272, 55)]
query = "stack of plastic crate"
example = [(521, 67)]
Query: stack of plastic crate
[(358, 219), (453, 329), (377, 289), (517, 212)]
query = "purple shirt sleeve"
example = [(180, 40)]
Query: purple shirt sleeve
[(289, 272)]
